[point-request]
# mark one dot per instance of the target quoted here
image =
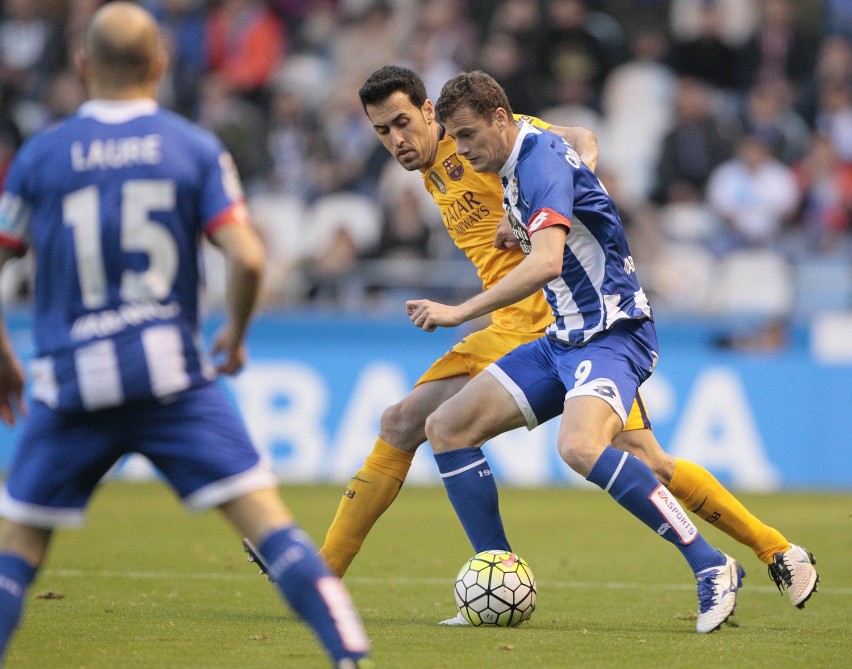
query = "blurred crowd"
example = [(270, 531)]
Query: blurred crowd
[(725, 130)]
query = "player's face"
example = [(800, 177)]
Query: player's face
[(409, 132), (480, 140)]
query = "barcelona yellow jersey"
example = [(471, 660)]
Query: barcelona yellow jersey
[(471, 205)]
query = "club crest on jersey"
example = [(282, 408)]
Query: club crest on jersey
[(437, 182), (513, 191), (454, 168)]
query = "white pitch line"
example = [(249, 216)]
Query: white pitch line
[(372, 580)]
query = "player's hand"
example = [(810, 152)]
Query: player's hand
[(11, 388), (231, 353), (428, 315), (504, 238)]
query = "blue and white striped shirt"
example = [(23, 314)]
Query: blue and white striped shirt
[(113, 201), (545, 183)]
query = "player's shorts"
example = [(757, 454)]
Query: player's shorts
[(475, 352), (481, 348), (197, 441), (545, 373), (637, 419)]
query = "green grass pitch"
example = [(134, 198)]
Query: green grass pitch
[(145, 585)]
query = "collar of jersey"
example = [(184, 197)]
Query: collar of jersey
[(509, 167), (118, 111)]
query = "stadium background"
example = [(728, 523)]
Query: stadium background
[(725, 129)]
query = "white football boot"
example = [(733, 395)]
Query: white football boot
[(717, 594), (457, 619), (793, 572)]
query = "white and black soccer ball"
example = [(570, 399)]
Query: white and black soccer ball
[(495, 588)]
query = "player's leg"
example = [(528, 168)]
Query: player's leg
[(176, 437), (588, 422), (301, 576), (22, 549), (790, 566), (521, 388), (375, 486), (483, 409), (589, 425), (604, 372), (704, 495), (39, 494)]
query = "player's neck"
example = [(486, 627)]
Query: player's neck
[(141, 92), (510, 135), (433, 151)]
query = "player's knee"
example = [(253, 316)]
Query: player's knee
[(402, 426), (580, 453), (441, 434), (391, 420)]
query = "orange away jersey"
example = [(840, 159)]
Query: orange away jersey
[(471, 205)]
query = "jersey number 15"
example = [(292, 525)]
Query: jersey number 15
[(139, 234)]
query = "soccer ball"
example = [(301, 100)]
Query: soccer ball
[(495, 588)]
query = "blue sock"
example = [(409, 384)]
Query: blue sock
[(473, 494), (316, 594), (633, 485), (16, 574)]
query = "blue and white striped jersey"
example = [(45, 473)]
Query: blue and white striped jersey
[(113, 202), (545, 183)]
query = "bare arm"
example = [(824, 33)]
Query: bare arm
[(11, 370), (245, 257), (543, 264), (584, 141)]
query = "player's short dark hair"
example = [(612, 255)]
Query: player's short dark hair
[(391, 79), (475, 90)]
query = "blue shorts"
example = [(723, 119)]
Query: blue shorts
[(197, 441), (543, 374)]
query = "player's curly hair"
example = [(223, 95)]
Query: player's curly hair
[(475, 90), (391, 79)]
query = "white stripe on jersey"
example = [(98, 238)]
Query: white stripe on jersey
[(572, 318), (14, 217), (98, 376), (613, 310), (165, 358), (45, 388), (642, 303), (208, 369), (591, 258)]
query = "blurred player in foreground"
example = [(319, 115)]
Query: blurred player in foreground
[(113, 202), (395, 100)]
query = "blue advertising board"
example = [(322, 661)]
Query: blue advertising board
[(316, 385)]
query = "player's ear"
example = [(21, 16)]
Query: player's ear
[(428, 110), (501, 117), (81, 63), (159, 65)]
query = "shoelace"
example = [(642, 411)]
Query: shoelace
[(779, 572), (706, 592)]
